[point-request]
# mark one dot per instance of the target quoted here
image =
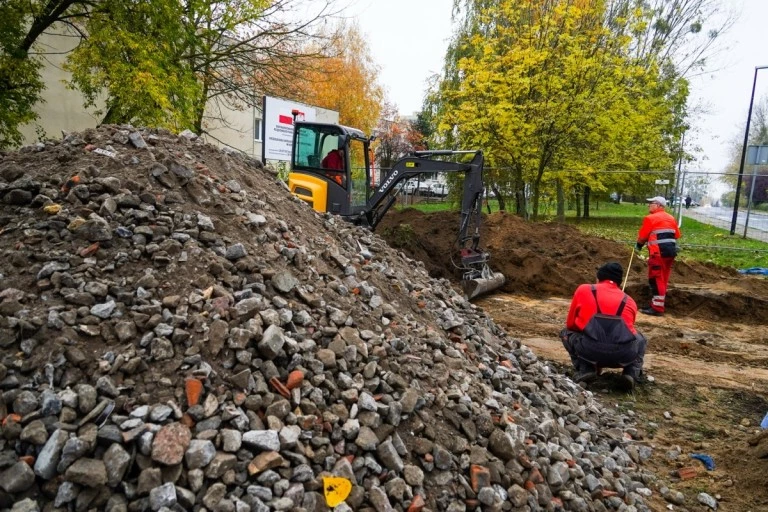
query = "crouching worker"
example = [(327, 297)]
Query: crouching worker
[(600, 329)]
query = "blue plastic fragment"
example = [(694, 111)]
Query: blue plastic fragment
[(706, 459), (754, 270), (764, 423), (123, 232)]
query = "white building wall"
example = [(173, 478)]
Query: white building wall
[(62, 108)]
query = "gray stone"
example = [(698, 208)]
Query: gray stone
[(502, 445), (235, 252), (17, 478), (199, 453), (87, 472), (379, 500), (25, 403), (117, 461), (389, 456), (104, 310), (284, 281), (366, 439), (272, 342), (48, 458), (267, 440), (707, 500), (34, 433), (25, 505), (162, 496)]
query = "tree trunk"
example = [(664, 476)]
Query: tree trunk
[(587, 190), (577, 193), (200, 109), (560, 201), (113, 117), (500, 199)]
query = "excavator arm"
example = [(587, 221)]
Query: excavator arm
[(477, 276)]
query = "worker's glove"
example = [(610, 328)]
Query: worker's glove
[(638, 248)]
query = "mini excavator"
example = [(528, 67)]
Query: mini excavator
[(331, 169)]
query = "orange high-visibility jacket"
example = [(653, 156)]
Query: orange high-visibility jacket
[(609, 295), (659, 230)]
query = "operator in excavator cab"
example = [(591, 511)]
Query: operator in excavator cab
[(334, 160)]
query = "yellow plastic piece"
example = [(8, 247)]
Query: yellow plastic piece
[(336, 490), (52, 209)]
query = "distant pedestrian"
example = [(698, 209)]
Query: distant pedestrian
[(600, 329), (660, 231), (688, 202)]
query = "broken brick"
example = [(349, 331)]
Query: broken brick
[(479, 477), (194, 390), (417, 504), (295, 378), (279, 387), (687, 473)]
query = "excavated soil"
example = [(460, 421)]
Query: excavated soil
[(708, 356)]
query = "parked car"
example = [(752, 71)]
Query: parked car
[(411, 186), (433, 188)]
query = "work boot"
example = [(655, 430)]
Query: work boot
[(651, 312), (584, 376), (627, 382)]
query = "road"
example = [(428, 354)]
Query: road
[(722, 217)]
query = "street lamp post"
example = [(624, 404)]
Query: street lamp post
[(744, 153)]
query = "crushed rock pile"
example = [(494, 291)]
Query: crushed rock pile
[(178, 332)]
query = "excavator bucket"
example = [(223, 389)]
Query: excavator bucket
[(482, 285)]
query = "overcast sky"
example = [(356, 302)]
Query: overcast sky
[(408, 38)]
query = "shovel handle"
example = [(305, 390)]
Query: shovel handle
[(626, 276)]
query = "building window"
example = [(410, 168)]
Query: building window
[(257, 129)]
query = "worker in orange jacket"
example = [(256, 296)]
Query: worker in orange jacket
[(600, 329), (660, 231)]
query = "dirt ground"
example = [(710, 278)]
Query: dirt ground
[(708, 356)]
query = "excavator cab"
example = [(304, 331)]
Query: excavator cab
[(332, 170)]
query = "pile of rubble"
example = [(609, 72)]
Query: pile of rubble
[(179, 333)]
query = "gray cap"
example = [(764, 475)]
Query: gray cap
[(658, 200)]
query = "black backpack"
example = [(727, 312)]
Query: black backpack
[(608, 329)]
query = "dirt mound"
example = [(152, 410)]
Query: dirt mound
[(552, 259)]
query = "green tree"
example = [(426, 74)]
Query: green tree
[(163, 62), (22, 22), (545, 86)]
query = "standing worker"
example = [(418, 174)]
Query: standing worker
[(659, 230), (600, 329), (688, 202)]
